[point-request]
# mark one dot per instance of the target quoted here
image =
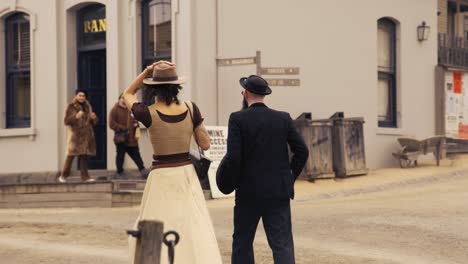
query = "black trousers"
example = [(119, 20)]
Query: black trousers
[(133, 152), (276, 217)]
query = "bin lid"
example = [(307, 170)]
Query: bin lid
[(305, 115)]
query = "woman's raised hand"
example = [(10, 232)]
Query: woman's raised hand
[(149, 69)]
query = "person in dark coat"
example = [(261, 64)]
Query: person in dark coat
[(127, 133), (257, 148)]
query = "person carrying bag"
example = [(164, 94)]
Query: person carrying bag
[(126, 139), (199, 160)]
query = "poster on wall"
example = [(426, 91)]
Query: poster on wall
[(456, 103), (462, 131), (464, 100), (451, 104), (451, 126), (457, 82), (458, 98), (218, 136)]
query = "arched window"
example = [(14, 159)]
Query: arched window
[(387, 89), (156, 35), (18, 71), (156, 30)]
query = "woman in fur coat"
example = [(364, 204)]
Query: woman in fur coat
[(79, 119)]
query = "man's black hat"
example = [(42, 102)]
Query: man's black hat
[(255, 84), (227, 176)]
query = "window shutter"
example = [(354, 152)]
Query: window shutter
[(25, 43)]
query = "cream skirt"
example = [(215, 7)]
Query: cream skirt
[(174, 196)]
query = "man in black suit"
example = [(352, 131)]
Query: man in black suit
[(257, 147)]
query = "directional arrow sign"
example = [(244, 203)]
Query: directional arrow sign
[(237, 61), (279, 70), (284, 82)]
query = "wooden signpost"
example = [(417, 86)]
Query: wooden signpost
[(237, 61), (283, 82), (265, 70), (279, 70)]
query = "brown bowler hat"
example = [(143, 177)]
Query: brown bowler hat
[(164, 72)]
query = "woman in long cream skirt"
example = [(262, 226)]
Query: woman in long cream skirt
[(172, 193)]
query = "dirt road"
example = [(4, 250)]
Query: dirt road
[(392, 216)]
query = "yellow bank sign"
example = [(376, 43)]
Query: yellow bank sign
[(95, 25)]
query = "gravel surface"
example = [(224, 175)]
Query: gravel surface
[(390, 216)]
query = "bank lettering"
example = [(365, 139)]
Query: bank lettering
[(95, 25)]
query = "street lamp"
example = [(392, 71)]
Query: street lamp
[(423, 31)]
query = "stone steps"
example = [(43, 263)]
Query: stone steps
[(115, 193), (51, 177)]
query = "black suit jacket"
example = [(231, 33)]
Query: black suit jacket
[(257, 146)]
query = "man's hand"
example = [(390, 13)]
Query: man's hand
[(93, 116), (79, 114)]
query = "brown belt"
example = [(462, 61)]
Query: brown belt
[(169, 161), (157, 165)]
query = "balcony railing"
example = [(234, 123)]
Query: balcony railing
[(453, 51)]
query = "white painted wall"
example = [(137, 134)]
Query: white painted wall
[(25, 151), (333, 42), (335, 45)]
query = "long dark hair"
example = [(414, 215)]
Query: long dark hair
[(165, 92)]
